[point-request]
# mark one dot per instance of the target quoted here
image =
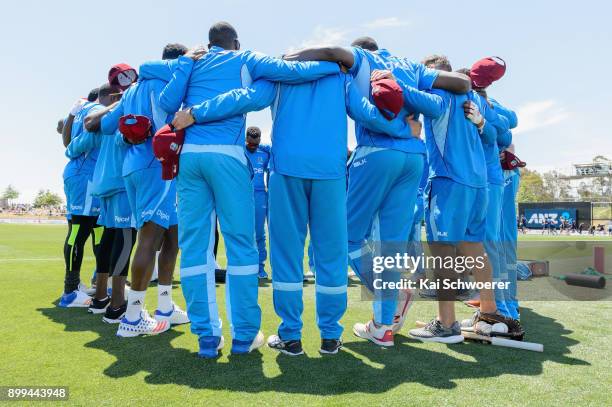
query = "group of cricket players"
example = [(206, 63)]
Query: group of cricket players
[(160, 157)]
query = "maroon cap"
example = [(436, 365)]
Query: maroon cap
[(509, 161), (387, 95), (167, 144), (135, 128), (486, 71), (122, 75)]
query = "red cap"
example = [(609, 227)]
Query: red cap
[(122, 75), (167, 145), (486, 71), (510, 161), (135, 128), (387, 95)]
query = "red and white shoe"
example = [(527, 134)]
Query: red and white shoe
[(382, 335), (401, 311), (145, 325)]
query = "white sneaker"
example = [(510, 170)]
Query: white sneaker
[(382, 336), (401, 311), (89, 291), (258, 342), (143, 326), (175, 317), (75, 299)]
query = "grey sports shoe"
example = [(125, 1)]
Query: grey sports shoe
[(434, 331)]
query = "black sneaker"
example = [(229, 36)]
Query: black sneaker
[(113, 316), (98, 306), (330, 346), (434, 331), (291, 348)]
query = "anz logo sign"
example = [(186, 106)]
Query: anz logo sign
[(536, 218)]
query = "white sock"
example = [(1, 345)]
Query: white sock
[(164, 298), (135, 304), (155, 274)]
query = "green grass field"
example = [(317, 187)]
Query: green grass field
[(43, 345)]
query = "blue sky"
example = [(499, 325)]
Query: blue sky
[(558, 54)]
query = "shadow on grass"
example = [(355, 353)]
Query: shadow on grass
[(339, 374), (351, 282)]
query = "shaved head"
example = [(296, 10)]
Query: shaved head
[(366, 43), (223, 35)]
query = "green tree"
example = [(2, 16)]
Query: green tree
[(10, 193), (556, 187), (602, 187), (585, 192), (46, 198), (532, 188)]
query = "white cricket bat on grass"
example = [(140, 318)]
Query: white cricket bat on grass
[(498, 341)]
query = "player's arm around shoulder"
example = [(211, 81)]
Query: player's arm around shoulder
[(157, 69), (262, 66), (109, 123), (451, 81), (360, 109), (509, 114), (172, 95), (341, 55), (83, 143), (432, 103), (256, 97)]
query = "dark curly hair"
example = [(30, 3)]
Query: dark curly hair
[(173, 51)]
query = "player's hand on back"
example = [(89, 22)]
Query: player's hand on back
[(196, 53), (472, 113), (183, 119), (379, 74), (415, 126)]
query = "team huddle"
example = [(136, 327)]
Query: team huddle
[(159, 155)]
